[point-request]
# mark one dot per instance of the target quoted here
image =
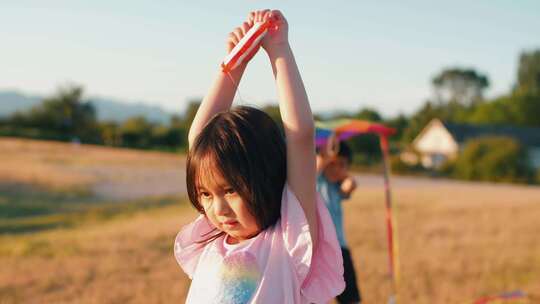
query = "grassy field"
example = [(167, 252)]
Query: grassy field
[(46, 185), (458, 241)]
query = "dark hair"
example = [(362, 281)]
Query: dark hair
[(345, 151), (247, 149)]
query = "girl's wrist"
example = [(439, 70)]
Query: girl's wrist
[(236, 74), (279, 50)]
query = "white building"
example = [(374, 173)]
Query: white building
[(440, 141)]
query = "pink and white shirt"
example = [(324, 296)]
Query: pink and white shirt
[(278, 265)]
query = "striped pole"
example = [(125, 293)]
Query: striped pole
[(393, 250)]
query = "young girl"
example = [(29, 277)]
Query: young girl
[(263, 236)]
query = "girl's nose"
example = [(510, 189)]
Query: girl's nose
[(221, 206)]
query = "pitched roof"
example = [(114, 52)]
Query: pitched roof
[(525, 135)]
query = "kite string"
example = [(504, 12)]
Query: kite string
[(241, 99), (237, 87)]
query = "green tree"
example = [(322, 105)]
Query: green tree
[(519, 108), (463, 86), (63, 116), (525, 108), (522, 105), (500, 159), (110, 134), (136, 132), (159, 137), (177, 133), (368, 114), (400, 123), (493, 112), (191, 110), (528, 75)]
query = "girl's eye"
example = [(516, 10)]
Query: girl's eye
[(230, 191), (204, 194)]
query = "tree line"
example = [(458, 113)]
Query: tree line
[(458, 97)]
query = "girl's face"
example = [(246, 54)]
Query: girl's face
[(225, 209)]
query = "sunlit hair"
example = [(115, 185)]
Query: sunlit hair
[(244, 146)]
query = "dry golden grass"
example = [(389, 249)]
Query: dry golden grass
[(68, 167), (124, 261), (458, 241)]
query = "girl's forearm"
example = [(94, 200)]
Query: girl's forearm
[(218, 99), (294, 104)]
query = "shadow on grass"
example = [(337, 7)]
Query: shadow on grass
[(24, 209), (19, 201)]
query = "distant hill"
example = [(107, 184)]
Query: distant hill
[(12, 101), (106, 108), (111, 109)]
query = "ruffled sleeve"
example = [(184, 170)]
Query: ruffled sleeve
[(319, 271), (187, 246)]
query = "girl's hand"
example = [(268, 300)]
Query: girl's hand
[(348, 185), (235, 36), (277, 35)]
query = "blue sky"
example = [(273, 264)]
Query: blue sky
[(351, 54)]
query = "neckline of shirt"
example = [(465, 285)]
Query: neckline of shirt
[(238, 245)]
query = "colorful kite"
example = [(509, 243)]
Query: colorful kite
[(503, 297), (347, 128)]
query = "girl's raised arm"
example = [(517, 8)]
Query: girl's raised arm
[(296, 116), (221, 94)]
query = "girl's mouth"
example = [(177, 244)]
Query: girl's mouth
[(230, 223)]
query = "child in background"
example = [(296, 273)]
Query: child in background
[(264, 235), (335, 184)]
